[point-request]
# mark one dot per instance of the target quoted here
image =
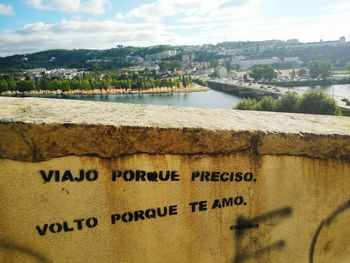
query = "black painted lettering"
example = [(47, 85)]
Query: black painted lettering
[(128, 175), (46, 177), (215, 176), (127, 217), (238, 177), (193, 206), (116, 174), (248, 177), (205, 176), (227, 202), (55, 228), (152, 176), (79, 223), (164, 177), (175, 176), (91, 175), (224, 177), (115, 218), (140, 175), (57, 176), (139, 215), (159, 211), (173, 210), (67, 175), (81, 176), (151, 213), (195, 175), (91, 222), (66, 227), (42, 231), (216, 204), (202, 206), (239, 200)]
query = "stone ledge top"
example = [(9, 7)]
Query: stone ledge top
[(110, 129), (59, 111)]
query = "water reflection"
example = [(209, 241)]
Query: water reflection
[(206, 99), (342, 91)]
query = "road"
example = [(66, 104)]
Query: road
[(275, 90)]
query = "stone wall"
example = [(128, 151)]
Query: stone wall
[(103, 182)]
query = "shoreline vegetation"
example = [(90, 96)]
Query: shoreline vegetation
[(311, 102), (108, 91), (321, 82), (11, 85)]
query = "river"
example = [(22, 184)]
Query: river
[(342, 91), (210, 99)]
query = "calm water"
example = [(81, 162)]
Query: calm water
[(206, 99), (342, 91)]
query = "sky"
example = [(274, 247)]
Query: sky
[(27, 26)]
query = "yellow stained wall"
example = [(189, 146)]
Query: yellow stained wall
[(289, 199)]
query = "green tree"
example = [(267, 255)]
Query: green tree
[(312, 102), (289, 102), (316, 102), (293, 74), (247, 104), (302, 72), (319, 68), (25, 86), (3, 85), (12, 85), (260, 72), (213, 63), (214, 75), (267, 104), (228, 65), (347, 65)]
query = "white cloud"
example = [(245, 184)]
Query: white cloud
[(167, 8), (169, 22), (227, 12), (339, 7), (6, 10), (307, 29), (95, 7), (71, 34)]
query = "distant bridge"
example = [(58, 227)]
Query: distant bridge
[(244, 90), (257, 90)]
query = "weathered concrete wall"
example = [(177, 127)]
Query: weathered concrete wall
[(81, 182)]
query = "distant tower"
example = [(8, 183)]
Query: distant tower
[(342, 40)]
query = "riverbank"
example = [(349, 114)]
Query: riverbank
[(322, 82), (109, 91)]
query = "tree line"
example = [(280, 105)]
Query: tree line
[(316, 69), (124, 81), (312, 102)]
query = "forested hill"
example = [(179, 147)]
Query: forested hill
[(77, 58), (115, 58)]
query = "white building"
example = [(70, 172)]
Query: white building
[(248, 63), (222, 72), (335, 43), (35, 71), (170, 53), (186, 58)]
